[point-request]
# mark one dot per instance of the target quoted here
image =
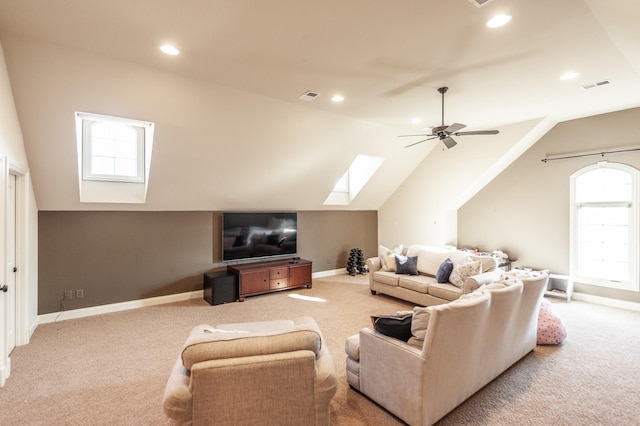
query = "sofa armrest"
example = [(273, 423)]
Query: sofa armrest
[(287, 378), (391, 374), (326, 385), (177, 400), (474, 282), (374, 264)]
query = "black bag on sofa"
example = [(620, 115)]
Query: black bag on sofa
[(397, 325)]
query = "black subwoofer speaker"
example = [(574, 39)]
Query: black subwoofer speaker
[(220, 287)]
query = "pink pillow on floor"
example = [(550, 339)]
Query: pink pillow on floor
[(551, 329)]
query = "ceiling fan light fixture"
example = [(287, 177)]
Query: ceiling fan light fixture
[(444, 132), (499, 20)]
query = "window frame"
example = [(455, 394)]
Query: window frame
[(88, 121), (631, 283)]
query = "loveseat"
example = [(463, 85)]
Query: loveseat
[(272, 372), (454, 350), (421, 285)]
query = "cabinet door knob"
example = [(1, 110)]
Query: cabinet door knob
[(4, 288)]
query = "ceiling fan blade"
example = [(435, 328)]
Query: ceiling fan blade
[(449, 142), (477, 132), (408, 136), (455, 127), (423, 140)]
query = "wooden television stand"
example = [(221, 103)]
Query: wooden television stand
[(275, 275)]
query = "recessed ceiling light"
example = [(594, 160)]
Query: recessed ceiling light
[(169, 49), (569, 75), (416, 120), (498, 20), (337, 98)]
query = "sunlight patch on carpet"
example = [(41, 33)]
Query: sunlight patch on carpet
[(307, 298)]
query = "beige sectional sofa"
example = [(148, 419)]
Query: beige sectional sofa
[(423, 289), (455, 349)]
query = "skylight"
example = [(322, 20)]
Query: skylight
[(114, 156), (353, 180)]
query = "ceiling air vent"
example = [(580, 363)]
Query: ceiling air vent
[(594, 85), (479, 3), (309, 96)]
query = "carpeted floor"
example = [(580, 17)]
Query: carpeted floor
[(111, 369)]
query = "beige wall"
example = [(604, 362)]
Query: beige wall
[(423, 210), (525, 210), (122, 256), (12, 151), (215, 147)]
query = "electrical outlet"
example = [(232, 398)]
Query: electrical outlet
[(67, 295), (79, 293)]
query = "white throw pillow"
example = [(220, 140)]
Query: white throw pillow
[(387, 259), (420, 322), (388, 263)]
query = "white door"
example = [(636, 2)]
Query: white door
[(10, 295)]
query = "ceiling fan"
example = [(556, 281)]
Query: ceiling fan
[(444, 132)]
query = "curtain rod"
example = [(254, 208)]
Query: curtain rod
[(600, 153)]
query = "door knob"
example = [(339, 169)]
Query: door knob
[(15, 269), (4, 288)]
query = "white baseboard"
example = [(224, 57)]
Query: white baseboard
[(329, 273), (5, 371), (613, 303), (116, 307), (133, 304)]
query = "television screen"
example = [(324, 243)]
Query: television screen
[(258, 235)]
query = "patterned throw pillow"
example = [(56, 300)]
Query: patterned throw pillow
[(463, 270), (551, 328)]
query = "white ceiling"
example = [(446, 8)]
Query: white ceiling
[(386, 57)]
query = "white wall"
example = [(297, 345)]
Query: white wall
[(525, 210), (13, 151), (424, 209), (215, 147)]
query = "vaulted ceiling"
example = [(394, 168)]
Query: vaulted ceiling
[(231, 132)]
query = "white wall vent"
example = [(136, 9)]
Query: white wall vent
[(479, 3), (309, 96), (594, 85)]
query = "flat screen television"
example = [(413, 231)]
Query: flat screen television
[(254, 235)]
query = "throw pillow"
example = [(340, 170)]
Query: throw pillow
[(551, 328), (407, 265), (397, 325), (383, 251), (462, 271), (420, 322), (444, 271), (388, 263)]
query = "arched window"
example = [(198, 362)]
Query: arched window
[(604, 225)]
